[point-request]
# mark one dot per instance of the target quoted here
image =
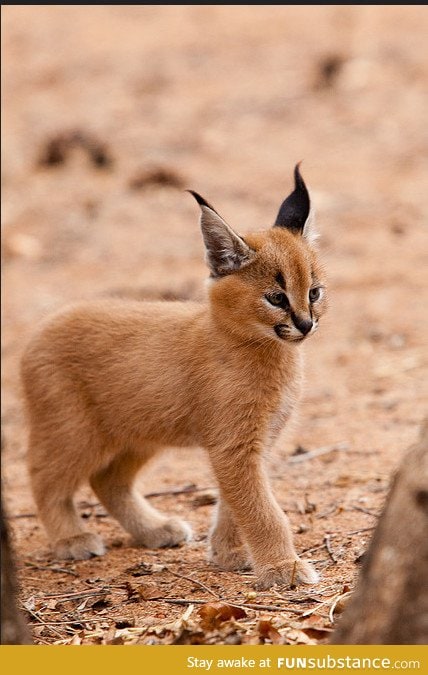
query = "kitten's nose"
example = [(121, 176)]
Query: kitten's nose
[(303, 325)]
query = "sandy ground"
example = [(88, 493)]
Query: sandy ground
[(109, 112)]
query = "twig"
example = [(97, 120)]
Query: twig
[(71, 621), (335, 602), (174, 491), (76, 596), (41, 622), (338, 534), (295, 600), (317, 452), (178, 601), (312, 549), (308, 612), (179, 491), (195, 581), (184, 601), (62, 570), (328, 512), (363, 529), (268, 608), (327, 544), (363, 510), (84, 504)]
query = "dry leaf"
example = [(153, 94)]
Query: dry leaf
[(182, 623), (189, 637), (30, 604), (142, 592), (214, 613), (118, 640), (38, 631), (295, 636), (148, 591), (139, 570), (267, 631), (316, 633)]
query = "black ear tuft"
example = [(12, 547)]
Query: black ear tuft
[(201, 201), (294, 210)]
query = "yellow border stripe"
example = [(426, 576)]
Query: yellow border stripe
[(196, 660)]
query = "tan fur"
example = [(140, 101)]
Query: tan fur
[(108, 384)]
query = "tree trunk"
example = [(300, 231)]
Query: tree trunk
[(14, 630), (390, 603)]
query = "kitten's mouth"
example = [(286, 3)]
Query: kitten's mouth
[(284, 332)]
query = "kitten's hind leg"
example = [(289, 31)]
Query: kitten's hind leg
[(53, 492), (116, 489), (227, 549)]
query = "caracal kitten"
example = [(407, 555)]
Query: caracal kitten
[(109, 383)]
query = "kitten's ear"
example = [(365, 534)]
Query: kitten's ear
[(226, 250), (295, 212)]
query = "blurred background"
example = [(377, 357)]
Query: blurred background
[(111, 112)]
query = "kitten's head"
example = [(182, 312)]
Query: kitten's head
[(266, 284)]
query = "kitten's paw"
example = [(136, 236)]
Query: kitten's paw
[(231, 559), (287, 573), (227, 550), (172, 533), (81, 547)]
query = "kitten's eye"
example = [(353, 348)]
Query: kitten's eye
[(278, 299), (314, 294)]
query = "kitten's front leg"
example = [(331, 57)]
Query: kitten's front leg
[(228, 551), (264, 525)]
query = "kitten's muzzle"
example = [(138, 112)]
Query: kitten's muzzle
[(297, 332), (303, 325), (282, 330)]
